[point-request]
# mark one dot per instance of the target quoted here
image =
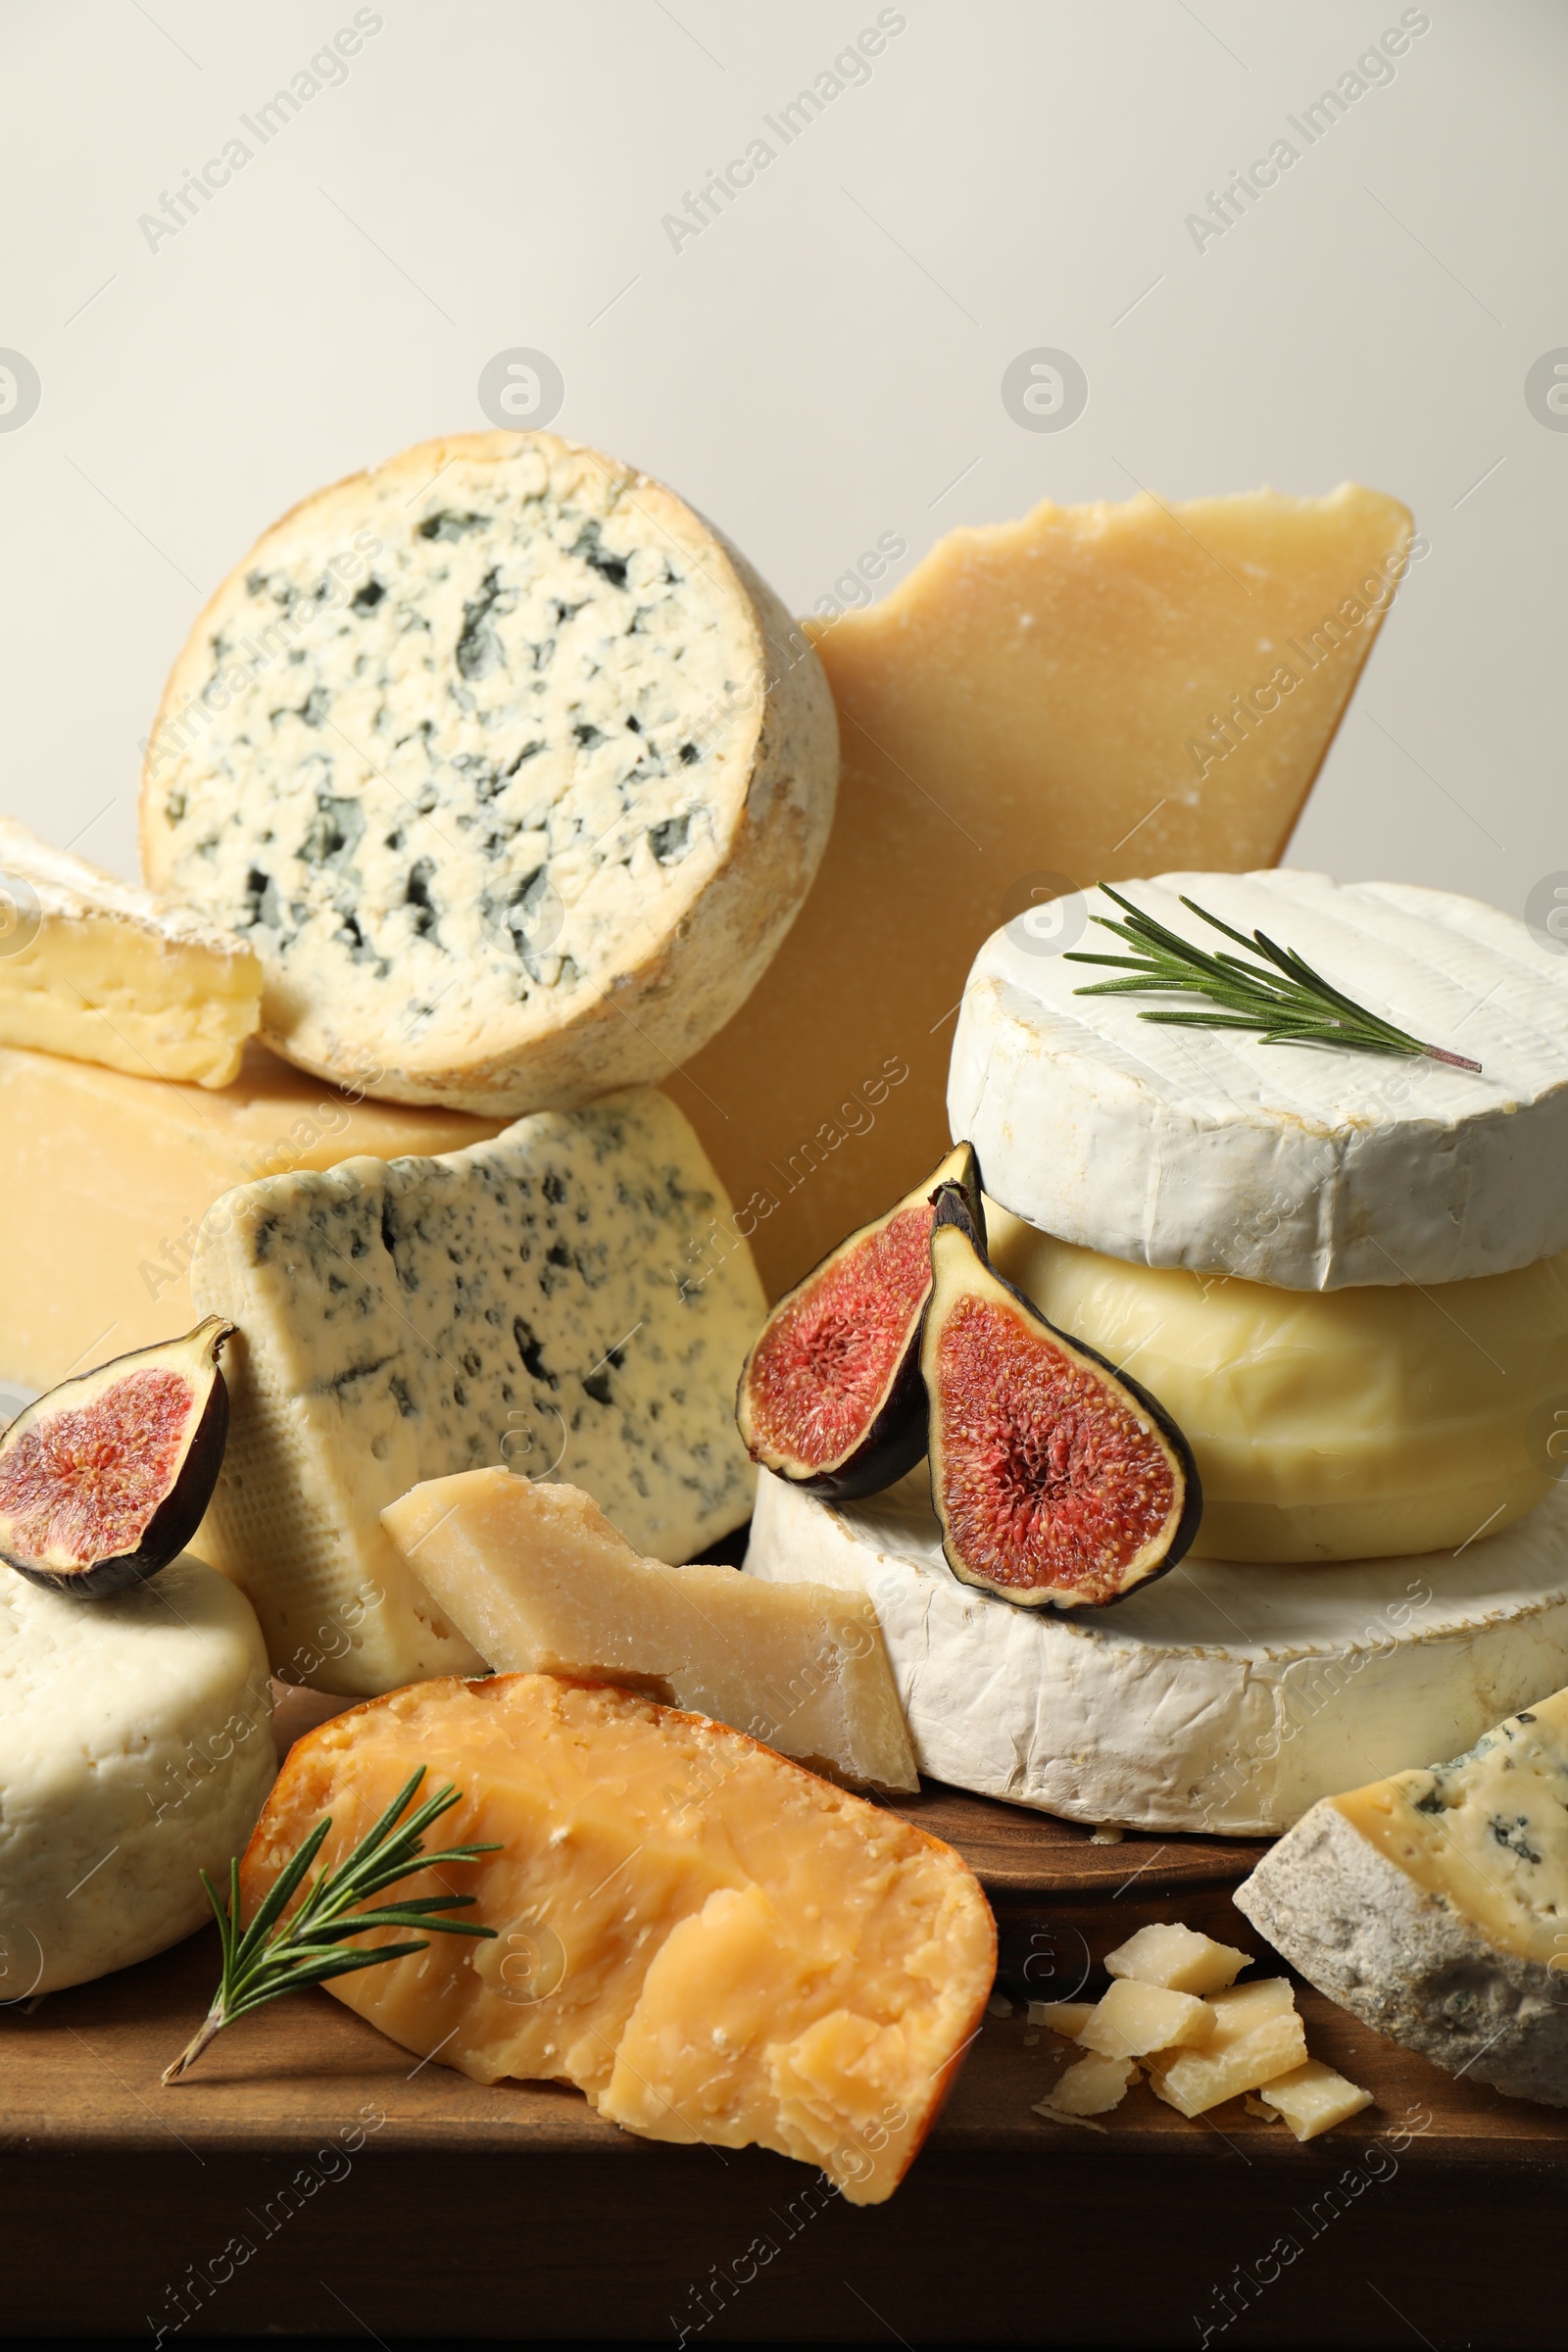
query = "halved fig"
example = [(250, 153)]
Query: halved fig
[(830, 1396), (1058, 1481), (104, 1480)]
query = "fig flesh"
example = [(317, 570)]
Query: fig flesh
[(105, 1480), (1058, 1481), (831, 1396)]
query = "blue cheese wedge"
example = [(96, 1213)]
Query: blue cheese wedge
[(1304, 1166), (1435, 1905), (553, 1301), (99, 971), (511, 768)]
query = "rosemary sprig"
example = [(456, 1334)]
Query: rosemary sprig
[(263, 1961), (1292, 1004)]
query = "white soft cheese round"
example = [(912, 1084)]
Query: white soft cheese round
[(135, 1750), (1307, 1167), (1224, 1698)]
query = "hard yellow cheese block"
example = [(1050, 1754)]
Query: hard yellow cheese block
[(92, 967), (710, 1943), (1328, 1425), (1087, 694), (106, 1177), (539, 1581)]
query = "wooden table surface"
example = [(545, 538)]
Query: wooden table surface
[(313, 2178)]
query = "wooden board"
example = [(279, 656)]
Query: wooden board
[(346, 2189)]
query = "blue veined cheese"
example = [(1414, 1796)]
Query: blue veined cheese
[(1304, 1166), (569, 1298), (1435, 1905), (509, 767)]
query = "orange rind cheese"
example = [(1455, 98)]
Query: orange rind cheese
[(708, 1942)]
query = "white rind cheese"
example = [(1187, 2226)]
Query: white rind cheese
[(1304, 1166), (135, 1751), (99, 971), (508, 764), (563, 1299), (1226, 1697), (1433, 1905)]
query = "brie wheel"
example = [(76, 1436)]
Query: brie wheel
[(1306, 1166), (1224, 1698)]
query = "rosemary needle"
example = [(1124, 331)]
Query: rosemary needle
[(1291, 1004), (265, 1960)]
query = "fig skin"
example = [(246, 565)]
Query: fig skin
[(894, 1438), (175, 1518), (1154, 1557)]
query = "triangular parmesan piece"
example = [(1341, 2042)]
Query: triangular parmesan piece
[(1091, 693)]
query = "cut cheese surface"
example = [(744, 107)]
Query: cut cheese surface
[(1433, 1904), (1169, 1954), (1313, 2098), (1092, 2085), (1226, 1698), (1488, 1832), (93, 968), (134, 1754), (539, 1581), (1257, 2037), (1311, 1167), (526, 1302), (712, 1944), (1038, 704), (498, 756), (106, 1177), (1349, 1424), (1132, 2018)]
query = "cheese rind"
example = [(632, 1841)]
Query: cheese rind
[(712, 1944), (539, 1581), (1343, 1425), (1226, 1698), (530, 1301), (1037, 694), (1433, 1905), (93, 968), (106, 1179), (502, 758), (134, 1752), (1307, 1168)]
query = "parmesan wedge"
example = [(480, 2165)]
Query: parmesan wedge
[(1175, 1956), (1256, 2036), (537, 1579)]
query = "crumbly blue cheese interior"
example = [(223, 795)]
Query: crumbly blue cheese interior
[(562, 1300), (462, 751)]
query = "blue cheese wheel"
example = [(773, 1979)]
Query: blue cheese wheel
[(511, 770), (135, 1751)]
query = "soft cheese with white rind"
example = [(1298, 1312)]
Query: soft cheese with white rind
[(568, 1298), (504, 762), (134, 1752), (1225, 1699), (102, 973), (1433, 1905), (1309, 1168)]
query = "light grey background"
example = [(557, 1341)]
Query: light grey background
[(821, 364)]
